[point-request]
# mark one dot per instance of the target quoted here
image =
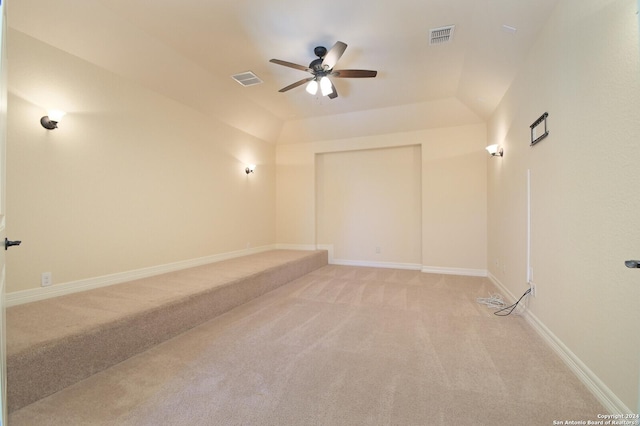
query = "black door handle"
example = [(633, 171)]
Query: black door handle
[(632, 263), (8, 243)]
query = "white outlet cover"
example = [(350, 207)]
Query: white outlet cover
[(46, 279)]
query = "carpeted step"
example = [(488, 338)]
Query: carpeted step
[(54, 343)]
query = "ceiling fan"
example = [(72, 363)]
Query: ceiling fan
[(321, 69)]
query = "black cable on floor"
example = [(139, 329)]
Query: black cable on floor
[(512, 307)]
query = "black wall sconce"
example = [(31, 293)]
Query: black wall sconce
[(250, 168), (51, 120)]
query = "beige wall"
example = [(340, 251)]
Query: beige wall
[(131, 179), (453, 192), (369, 205), (584, 70)]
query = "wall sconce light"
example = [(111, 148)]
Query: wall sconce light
[(250, 168), (495, 150), (50, 121)]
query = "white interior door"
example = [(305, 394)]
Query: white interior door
[(3, 135)]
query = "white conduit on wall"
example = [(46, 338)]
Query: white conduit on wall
[(529, 272)]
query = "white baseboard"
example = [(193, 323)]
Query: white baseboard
[(373, 264), (455, 271), (41, 293), (601, 391), (3, 350), (283, 246), (392, 265)]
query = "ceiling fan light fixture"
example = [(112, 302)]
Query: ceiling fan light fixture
[(325, 86), (320, 69), (312, 87)]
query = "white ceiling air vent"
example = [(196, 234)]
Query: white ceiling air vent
[(247, 78), (441, 35)]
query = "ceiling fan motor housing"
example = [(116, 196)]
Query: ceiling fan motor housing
[(316, 65)]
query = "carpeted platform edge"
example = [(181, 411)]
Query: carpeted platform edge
[(39, 371)]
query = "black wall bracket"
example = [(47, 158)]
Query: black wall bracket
[(535, 134)]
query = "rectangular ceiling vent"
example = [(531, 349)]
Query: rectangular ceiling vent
[(247, 79), (441, 35)]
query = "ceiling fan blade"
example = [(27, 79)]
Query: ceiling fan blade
[(296, 84), (354, 73), (333, 94), (290, 65), (332, 56)]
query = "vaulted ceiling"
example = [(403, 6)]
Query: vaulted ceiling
[(189, 49)]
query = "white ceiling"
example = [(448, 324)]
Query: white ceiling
[(161, 42)]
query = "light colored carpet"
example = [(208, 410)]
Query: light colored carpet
[(54, 343), (339, 346)]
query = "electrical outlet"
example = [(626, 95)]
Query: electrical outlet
[(532, 286), (378, 250), (46, 279)]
